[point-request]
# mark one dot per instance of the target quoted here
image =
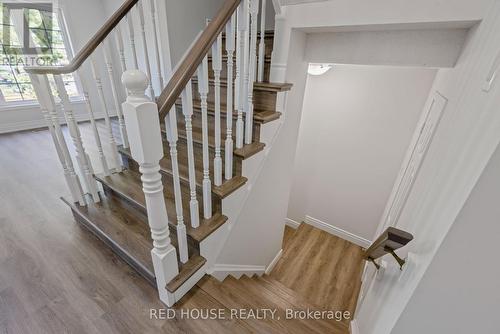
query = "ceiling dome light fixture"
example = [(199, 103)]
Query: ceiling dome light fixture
[(319, 69)]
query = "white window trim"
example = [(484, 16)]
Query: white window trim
[(18, 105)]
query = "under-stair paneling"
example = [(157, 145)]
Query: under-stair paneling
[(263, 215)]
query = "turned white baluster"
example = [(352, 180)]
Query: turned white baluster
[(254, 11), (237, 78), (97, 137), (118, 107), (207, 183), (44, 95), (187, 110), (230, 28), (157, 46), (146, 146), (172, 137), (262, 44), (131, 32), (82, 158), (121, 49), (217, 68), (107, 120), (243, 65), (146, 52)]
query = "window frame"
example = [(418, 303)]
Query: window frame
[(19, 104)]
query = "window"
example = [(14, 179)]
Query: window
[(47, 36)]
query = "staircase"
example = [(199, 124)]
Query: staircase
[(156, 210)]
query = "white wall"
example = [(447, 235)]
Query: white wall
[(459, 291), (438, 48), (464, 142), (186, 18), (356, 126)]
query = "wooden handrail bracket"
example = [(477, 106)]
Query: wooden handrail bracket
[(91, 45), (391, 240), (194, 57)]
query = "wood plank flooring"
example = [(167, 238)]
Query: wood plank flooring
[(321, 267), (56, 277)]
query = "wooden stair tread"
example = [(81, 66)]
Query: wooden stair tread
[(186, 270), (249, 150), (230, 186), (227, 187), (127, 184), (245, 152), (258, 86), (267, 58), (122, 228), (260, 116)]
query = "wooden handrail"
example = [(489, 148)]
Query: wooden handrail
[(194, 57), (90, 47)]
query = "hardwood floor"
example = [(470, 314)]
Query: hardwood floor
[(321, 267), (56, 277)]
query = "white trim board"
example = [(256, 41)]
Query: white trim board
[(338, 232), (353, 328), (292, 223), (42, 124), (221, 271), (273, 263)]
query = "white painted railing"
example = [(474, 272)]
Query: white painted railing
[(138, 122)]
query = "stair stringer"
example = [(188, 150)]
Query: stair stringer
[(240, 248), (255, 231), (232, 207)]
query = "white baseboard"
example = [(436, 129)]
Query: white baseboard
[(338, 232), (221, 271), (271, 265), (292, 223), (40, 123), (353, 328)]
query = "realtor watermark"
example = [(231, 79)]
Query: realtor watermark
[(28, 33), (248, 314)]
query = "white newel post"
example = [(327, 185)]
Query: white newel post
[(146, 146), (230, 28)]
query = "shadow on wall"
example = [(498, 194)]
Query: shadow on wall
[(356, 127)]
